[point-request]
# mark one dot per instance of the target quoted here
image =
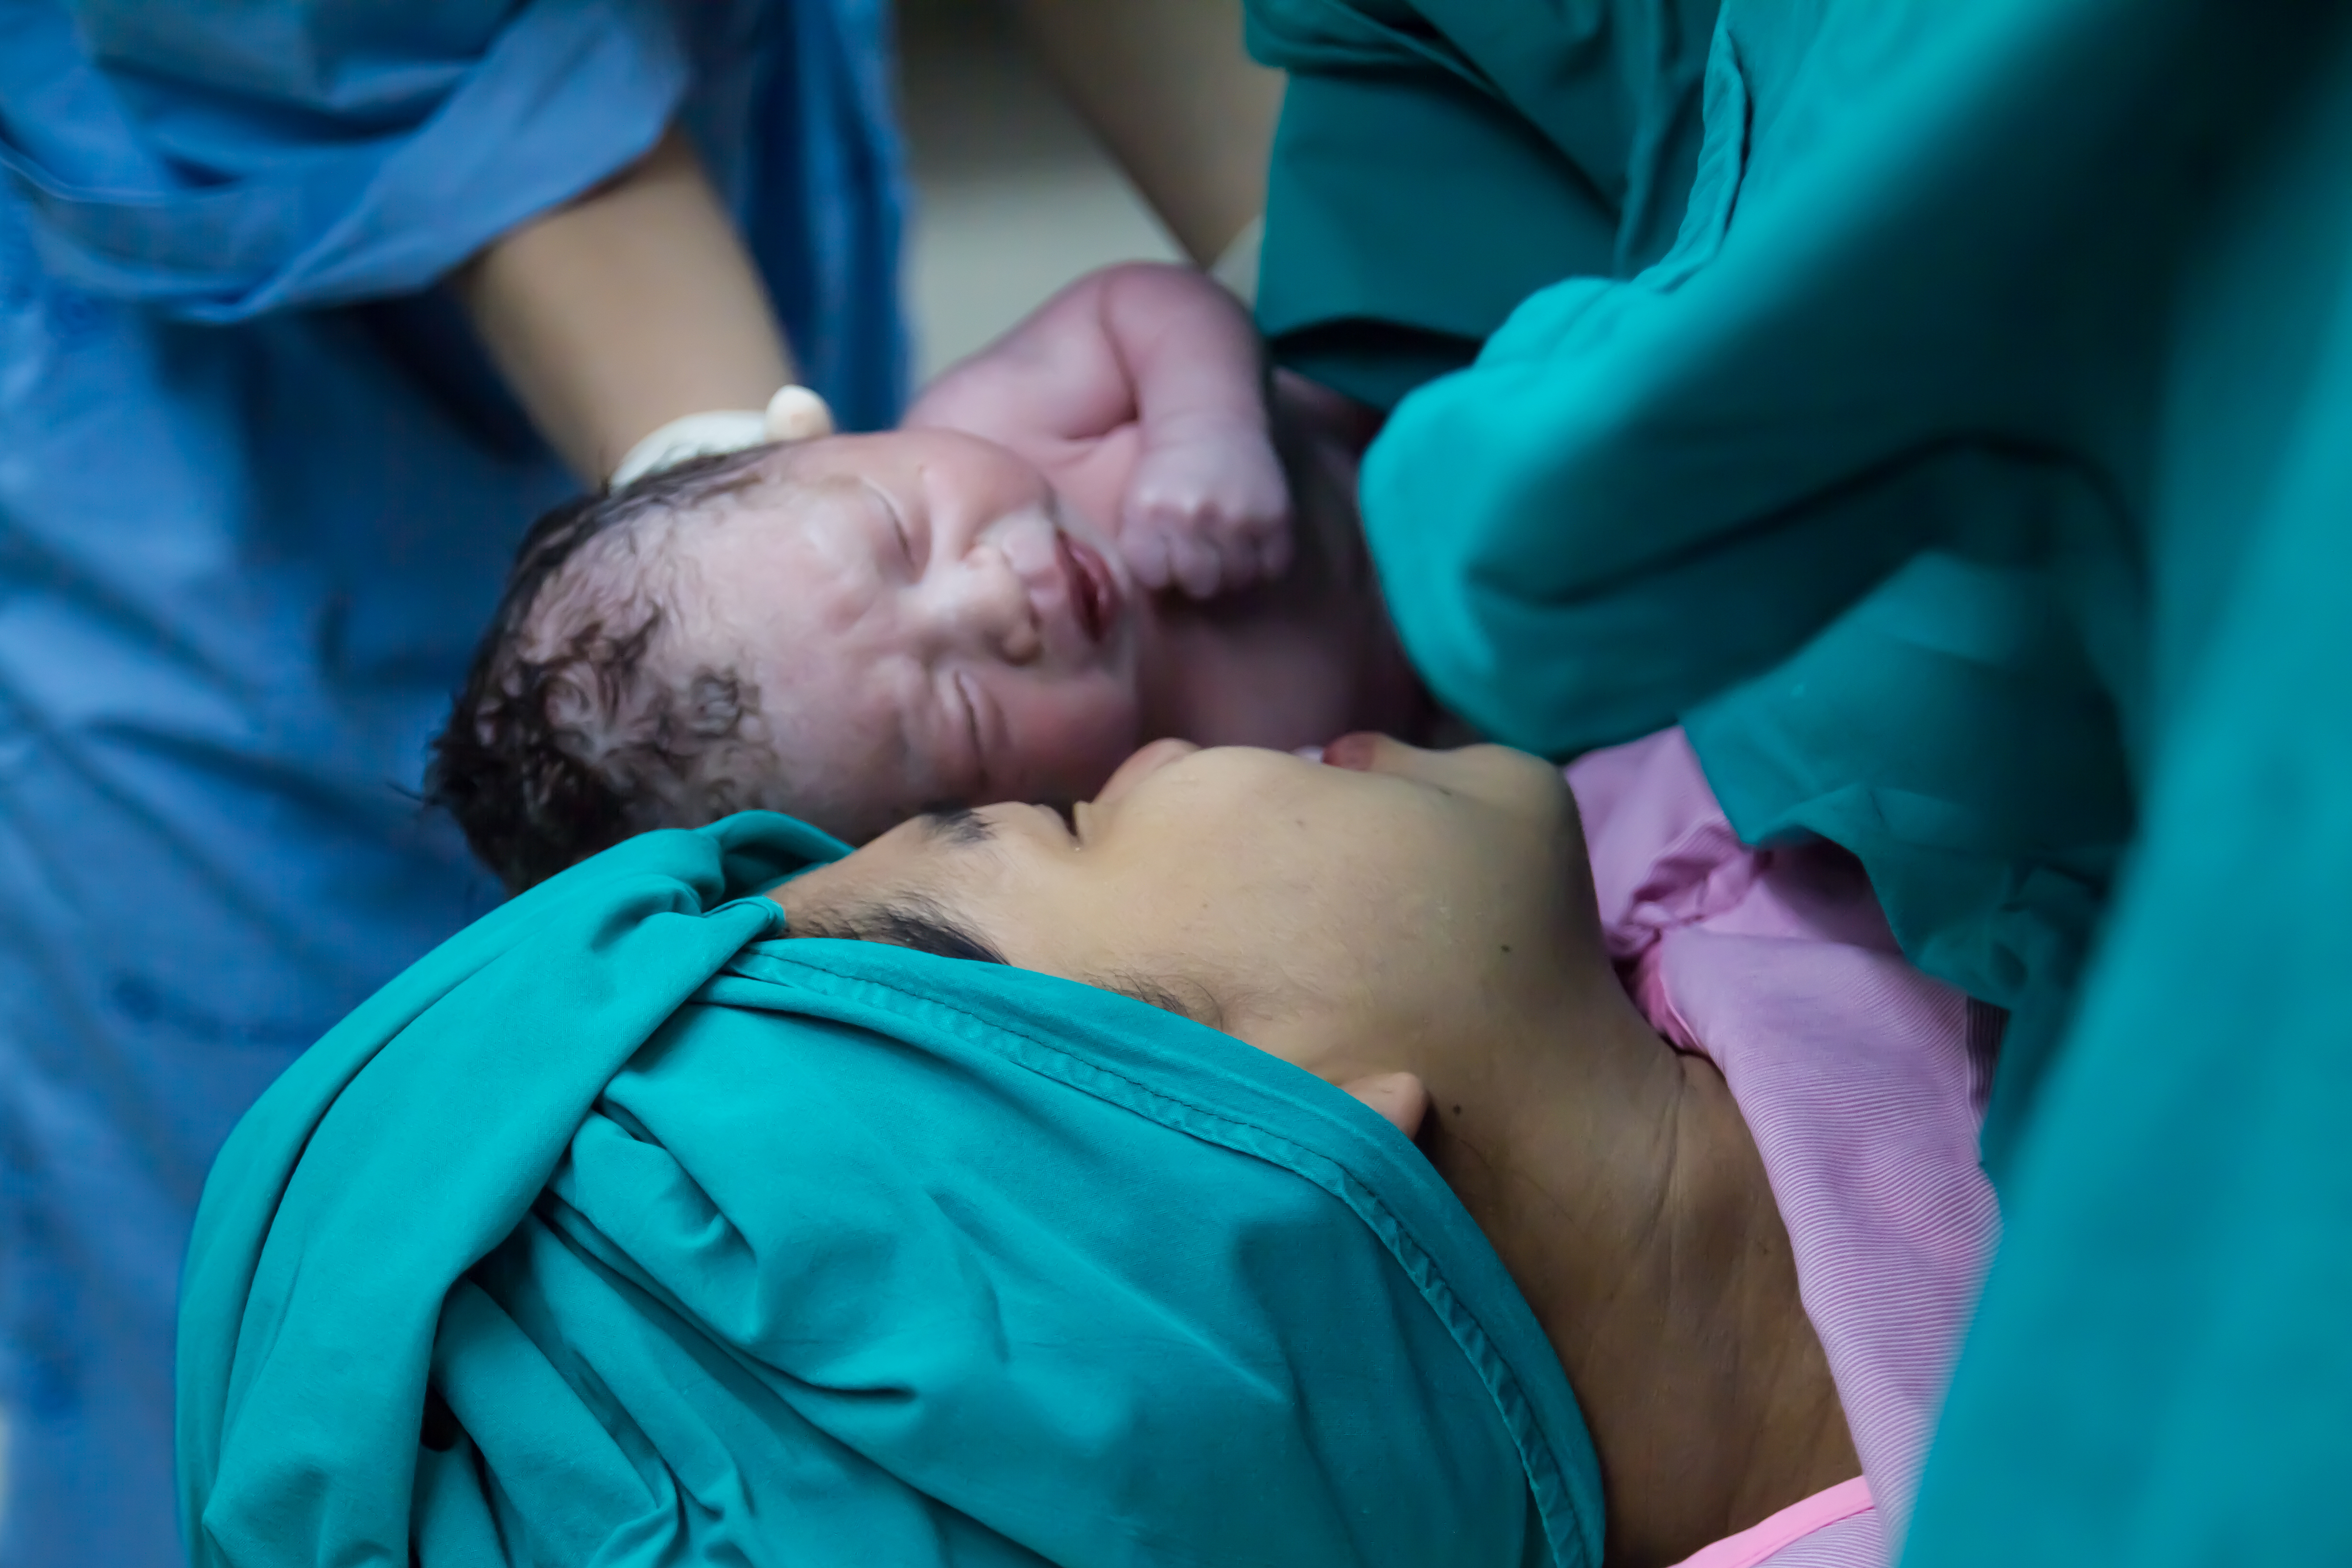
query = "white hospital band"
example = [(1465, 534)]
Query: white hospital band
[(794, 414)]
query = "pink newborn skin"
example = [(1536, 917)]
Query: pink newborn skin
[(952, 612), (1140, 393)]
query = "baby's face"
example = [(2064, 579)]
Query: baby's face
[(927, 623)]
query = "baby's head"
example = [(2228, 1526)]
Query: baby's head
[(851, 630)]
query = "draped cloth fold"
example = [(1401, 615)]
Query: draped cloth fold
[(615, 1232)]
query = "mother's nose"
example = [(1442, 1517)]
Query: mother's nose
[(980, 606), (1146, 761)]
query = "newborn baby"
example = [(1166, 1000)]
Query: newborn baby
[(1080, 540)]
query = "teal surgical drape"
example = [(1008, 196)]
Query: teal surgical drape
[(1971, 477), (614, 1232)]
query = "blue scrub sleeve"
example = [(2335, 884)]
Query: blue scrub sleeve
[(246, 542), (316, 151)]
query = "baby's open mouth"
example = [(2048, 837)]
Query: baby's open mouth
[(1094, 592)]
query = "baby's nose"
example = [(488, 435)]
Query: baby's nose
[(985, 609)]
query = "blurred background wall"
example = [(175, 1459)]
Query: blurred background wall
[(1014, 198)]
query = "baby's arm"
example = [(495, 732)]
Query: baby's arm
[(1207, 506), (1165, 350)]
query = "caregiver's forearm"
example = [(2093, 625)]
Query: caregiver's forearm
[(1168, 86), (627, 308)]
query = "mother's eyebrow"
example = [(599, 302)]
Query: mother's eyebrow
[(957, 825)]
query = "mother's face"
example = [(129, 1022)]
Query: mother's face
[(1302, 906)]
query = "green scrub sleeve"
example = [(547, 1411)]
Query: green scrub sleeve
[(1407, 214), (1439, 160)]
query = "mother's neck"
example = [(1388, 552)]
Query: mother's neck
[(1619, 1183)]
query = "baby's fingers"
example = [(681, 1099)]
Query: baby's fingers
[(1253, 546), (1164, 552), (1147, 556), (1203, 557), (1202, 569), (1219, 511)]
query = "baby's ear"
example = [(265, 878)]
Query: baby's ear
[(1399, 1097)]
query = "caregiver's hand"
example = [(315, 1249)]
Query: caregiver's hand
[(630, 307)]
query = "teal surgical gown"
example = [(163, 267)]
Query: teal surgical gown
[(257, 491), (1971, 475)]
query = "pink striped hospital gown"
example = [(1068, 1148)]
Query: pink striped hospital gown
[(1862, 1081)]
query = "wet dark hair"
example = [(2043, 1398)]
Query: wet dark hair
[(569, 734)]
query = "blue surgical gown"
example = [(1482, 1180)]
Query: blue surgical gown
[(257, 492)]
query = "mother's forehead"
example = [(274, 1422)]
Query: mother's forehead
[(927, 853)]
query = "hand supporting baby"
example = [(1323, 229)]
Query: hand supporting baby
[(1145, 382)]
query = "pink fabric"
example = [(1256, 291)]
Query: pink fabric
[(1862, 1079), (1759, 1542)]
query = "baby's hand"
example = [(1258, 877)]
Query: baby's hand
[(1207, 507)]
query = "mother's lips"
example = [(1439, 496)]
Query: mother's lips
[(1094, 591)]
